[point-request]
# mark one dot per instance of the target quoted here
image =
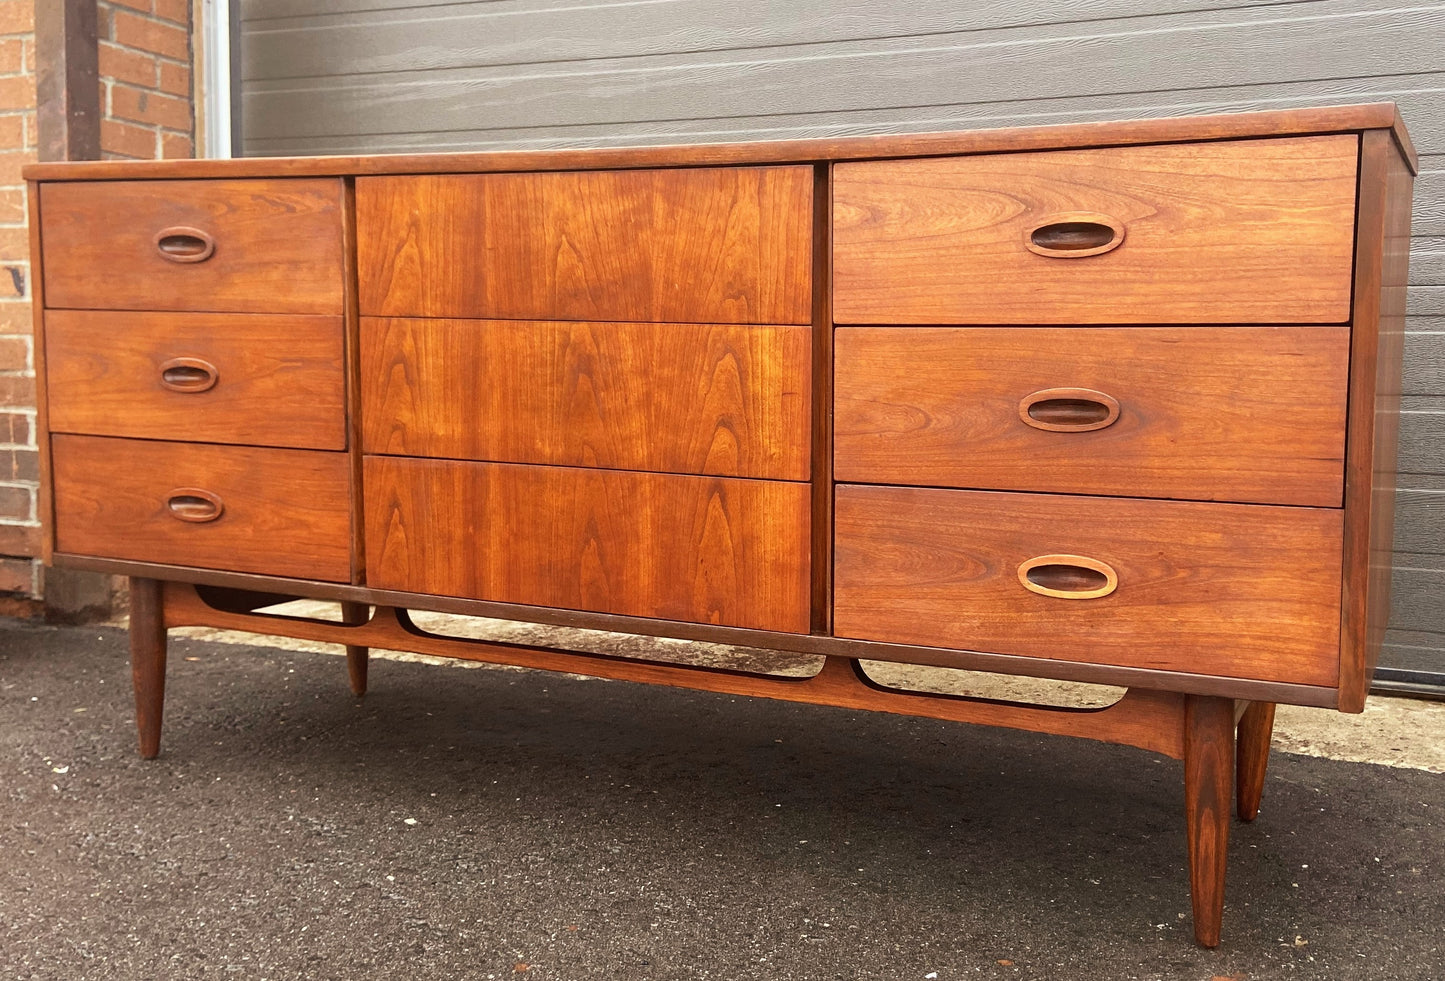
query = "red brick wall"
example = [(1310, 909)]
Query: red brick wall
[(145, 59), (19, 459), (145, 69)]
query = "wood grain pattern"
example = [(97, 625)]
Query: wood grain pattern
[(1143, 717), (684, 398), (357, 655), (1251, 757), (1253, 414), (1208, 788), (285, 511), (690, 246), (280, 377), (1243, 591), (1381, 281), (1208, 126), (710, 549), (277, 245), (147, 629), (1254, 231), (801, 643)]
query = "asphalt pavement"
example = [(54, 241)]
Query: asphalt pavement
[(465, 823)]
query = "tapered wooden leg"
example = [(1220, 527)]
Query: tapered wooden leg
[(1208, 793), (148, 662), (357, 658), (1252, 757)]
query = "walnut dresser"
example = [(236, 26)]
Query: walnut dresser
[(1107, 403)]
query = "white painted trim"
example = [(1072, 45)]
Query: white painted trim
[(216, 76)]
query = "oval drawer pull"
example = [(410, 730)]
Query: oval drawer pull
[(194, 504), (1068, 410), (1075, 235), (1068, 577), (184, 244), (189, 375)]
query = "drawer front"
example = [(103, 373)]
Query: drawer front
[(704, 549), (707, 245), (244, 246), (1253, 414), (684, 398), (235, 508), (268, 380), (1234, 590), (1257, 231)]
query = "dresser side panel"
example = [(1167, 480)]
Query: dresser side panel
[(1381, 283)]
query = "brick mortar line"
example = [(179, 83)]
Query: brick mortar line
[(149, 54), (144, 15)]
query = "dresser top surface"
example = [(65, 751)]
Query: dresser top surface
[(1285, 122)]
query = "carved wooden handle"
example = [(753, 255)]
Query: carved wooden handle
[(189, 375), (1068, 410), (1074, 577), (194, 504), (1075, 235), (181, 243)]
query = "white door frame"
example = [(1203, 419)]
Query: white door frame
[(216, 89)]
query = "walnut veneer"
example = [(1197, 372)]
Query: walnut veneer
[(1106, 402)]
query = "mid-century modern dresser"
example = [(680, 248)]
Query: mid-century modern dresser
[(1109, 403)]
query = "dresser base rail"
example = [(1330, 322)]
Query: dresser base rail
[(1199, 729)]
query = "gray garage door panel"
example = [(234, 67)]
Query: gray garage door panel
[(335, 39), (341, 76)]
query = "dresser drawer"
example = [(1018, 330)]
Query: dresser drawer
[(245, 246), (1257, 231), (705, 245), (263, 379), (705, 549), (1232, 590), (1254, 414), (235, 508), (684, 398)]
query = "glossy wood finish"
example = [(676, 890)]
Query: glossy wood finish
[(148, 662), (682, 246), (1256, 726), (1185, 682), (357, 655), (710, 549), (1004, 139), (682, 398), (1235, 232), (1208, 792), (1142, 717), (284, 511), (277, 246), (1381, 282), (1254, 414), (1243, 591), (278, 380), (645, 320)]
